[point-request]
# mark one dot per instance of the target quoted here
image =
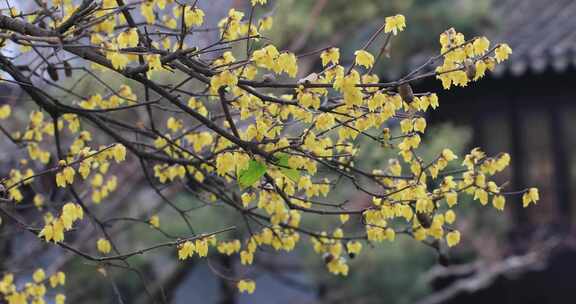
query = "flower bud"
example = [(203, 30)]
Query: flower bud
[(67, 69), (424, 219), (327, 257), (470, 68), (405, 91), (52, 72)]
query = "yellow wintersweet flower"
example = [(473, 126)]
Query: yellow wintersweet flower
[(246, 257), (502, 52), (103, 245), (390, 234), (309, 100), (84, 168), (448, 155), (57, 231), (287, 62), (36, 118), (481, 195), (499, 201), (324, 121), (246, 199), (119, 61), (39, 275), (200, 108), (174, 124), (266, 56), (247, 286), (347, 84), (395, 24), (453, 238), (70, 213), (364, 58), (193, 16), (186, 250), (261, 2), (154, 63), (451, 198), (97, 180), (331, 55), (60, 299), (119, 152), (161, 4), (5, 111), (338, 266), (226, 58), (354, 248), (480, 67), (202, 247), (47, 233), (65, 176), (225, 78), (128, 38), (147, 10), (420, 124), (225, 163), (531, 196), (58, 278), (450, 216), (433, 100), (265, 23), (481, 46), (155, 221), (229, 248), (38, 200)]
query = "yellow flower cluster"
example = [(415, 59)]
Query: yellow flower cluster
[(467, 60), (232, 27), (231, 162), (229, 248), (200, 246), (128, 39), (270, 58), (120, 98), (225, 78), (15, 179), (394, 24), (37, 127), (261, 2), (34, 291), (193, 16), (66, 173), (198, 106), (55, 227)]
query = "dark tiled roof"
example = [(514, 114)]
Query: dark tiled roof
[(542, 34)]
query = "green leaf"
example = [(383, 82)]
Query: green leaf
[(291, 173), (252, 174)]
